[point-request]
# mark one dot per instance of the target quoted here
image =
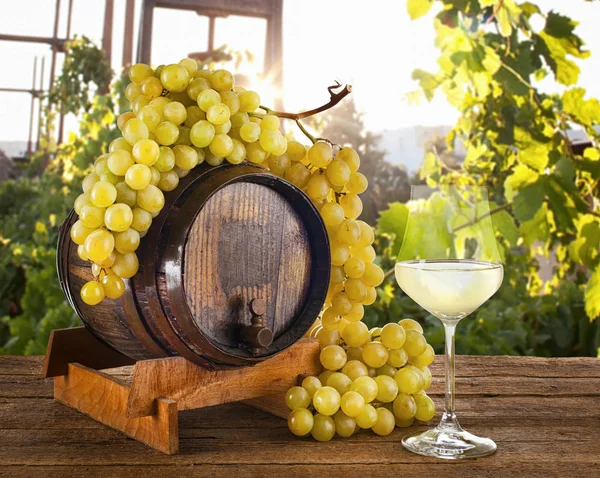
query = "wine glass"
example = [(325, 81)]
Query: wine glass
[(449, 264)]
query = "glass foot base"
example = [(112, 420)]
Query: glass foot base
[(450, 444)]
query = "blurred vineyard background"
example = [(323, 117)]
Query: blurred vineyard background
[(526, 130)]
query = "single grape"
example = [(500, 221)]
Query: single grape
[(320, 154), (118, 217), (350, 157), (323, 428), (239, 119), (356, 313), (356, 334), (354, 369), (387, 369), (139, 103), (99, 245), (367, 418), (197, 86), (272, 142), (124, 118), (387, 388), (159, 103), (134, 130), (332, 214), (345, 426), (193, 115), (367, 254), (424, 359), (333, 357), (132, 91), (269, 122), (296, 151), (340, 303), (175, 78), (231, 100), (404, 406), (300, 422), (409, 379), (340, 253), (338, 172), (415, 343), (328, 337), (385, 422), (151, 88), (330, 319), (298, 175), (404, 423), (358, 183), (218, 114), (348, 232), (113, 286), (337, 275), (138, 176), (221, 145), (426, 377), (91, 216), (371, 296), (311, 385), (279, 164), (222, 80), (393, 336), (366, 386), (223, 128), (175, 112), (139, 72), (352, 205), (119, 144), (397, 358), (92, 293), (249, 101), (126, 265), (208, 98), (352, 403), (103, 194), (150, 117), (81, 253), (202, 134), (238, 153), (168, 181), (142, 219), (354, 268), (297, 397), (250, 132), (425, 407), (166, 159), (186, 157), (375, 354), (79, 232), (354, 353), (339, 381), (166, 133), (356, 289), (410, 324), (213, 160), (151, 199), (127, 241), (326, 400)]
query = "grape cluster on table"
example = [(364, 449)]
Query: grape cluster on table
[(373, 379)]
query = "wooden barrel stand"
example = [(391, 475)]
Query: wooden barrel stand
[(141, 399)]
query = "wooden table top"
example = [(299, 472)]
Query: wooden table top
[(544, 414)]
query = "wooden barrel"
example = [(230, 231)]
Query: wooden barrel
[(230, 239)]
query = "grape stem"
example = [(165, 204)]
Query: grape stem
[(334, 99)]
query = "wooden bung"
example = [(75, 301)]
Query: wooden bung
[(233, 270)]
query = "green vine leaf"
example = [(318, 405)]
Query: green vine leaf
[(584, 111), (418, 8), (592, 295)]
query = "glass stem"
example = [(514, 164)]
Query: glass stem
[(449, 417)]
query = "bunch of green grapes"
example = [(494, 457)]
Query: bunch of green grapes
[(181, 116), (372, 379)]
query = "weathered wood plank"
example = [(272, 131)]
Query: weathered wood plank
[(105, 400), (194, 387)]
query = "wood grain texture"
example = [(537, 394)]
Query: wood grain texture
[(539, 433), (241, 246), (104, 399), (79, 345), (196, 387)]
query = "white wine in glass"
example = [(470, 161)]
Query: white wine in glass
[(450, 288)]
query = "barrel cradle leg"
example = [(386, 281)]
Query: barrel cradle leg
[(144, 404)]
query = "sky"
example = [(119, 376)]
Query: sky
[(372, 45)]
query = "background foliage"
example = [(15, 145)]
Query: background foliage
[(491, 64)]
